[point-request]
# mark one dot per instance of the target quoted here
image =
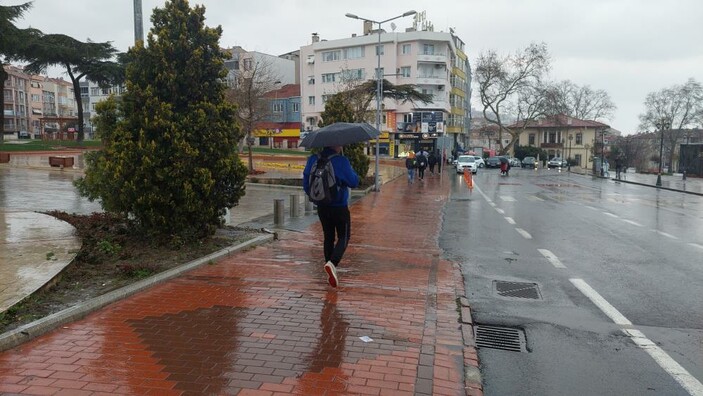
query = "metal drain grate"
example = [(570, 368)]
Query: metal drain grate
[(503, 338), (517, 289)]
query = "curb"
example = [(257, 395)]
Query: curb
[(42, 326), (657, 187)]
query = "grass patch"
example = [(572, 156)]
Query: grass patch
[(49, 145)]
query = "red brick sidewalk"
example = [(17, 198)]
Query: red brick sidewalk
[(265, 322)]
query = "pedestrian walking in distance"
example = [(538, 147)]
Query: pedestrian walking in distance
[(421, 164), (327, 178), (410, 165), (432, 161)]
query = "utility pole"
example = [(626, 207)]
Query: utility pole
[(138, 24)]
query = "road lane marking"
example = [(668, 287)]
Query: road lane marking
[(524, 233), (696, 245), (634, 223), (611, 215), (552, 258), (511, 221), (507, 198), (600, 302), (674, 369), (590, 207), (492, 204), (534, 198), (499, 210), (662, 233)]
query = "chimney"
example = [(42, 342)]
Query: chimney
[(368, 26), (568, 120), (315, 38)]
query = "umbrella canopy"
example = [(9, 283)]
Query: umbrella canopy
[(503, 160), (340, 134)]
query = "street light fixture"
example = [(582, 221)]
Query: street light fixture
[(379, 77), (661, 124)]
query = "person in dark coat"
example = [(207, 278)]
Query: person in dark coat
[(432, 161), (421, 164)]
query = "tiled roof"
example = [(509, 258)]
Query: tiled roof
[(560, 121), (286, 91)]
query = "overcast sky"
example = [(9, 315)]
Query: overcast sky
[(626, 47)]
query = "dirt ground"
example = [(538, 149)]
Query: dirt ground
[(111, 257)]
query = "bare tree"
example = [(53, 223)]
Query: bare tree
[(582, 102), (255, 79), (505, 81), (673, 110)]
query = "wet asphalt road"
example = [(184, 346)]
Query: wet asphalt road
[(605, 258)]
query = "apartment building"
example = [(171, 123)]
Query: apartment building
[(276, 68), (91, 95), (433, 61), (16, 94), (281, 129)]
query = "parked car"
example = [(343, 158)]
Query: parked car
[(529, 162), (556, 162), (514, 162), (479, 160), (493, 162), (466, 162)]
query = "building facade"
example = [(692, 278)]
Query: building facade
[(433, 61), (282, 128), (16, 93), (277, 68), (565, 137)]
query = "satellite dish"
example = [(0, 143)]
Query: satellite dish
[(393, 26)]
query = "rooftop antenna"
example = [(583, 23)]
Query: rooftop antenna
[(393, 26)]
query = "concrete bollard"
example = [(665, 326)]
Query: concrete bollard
[(278, 211), (294, 205)]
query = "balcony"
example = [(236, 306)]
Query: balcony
[(432, 58), (431, 79), (551, 145)]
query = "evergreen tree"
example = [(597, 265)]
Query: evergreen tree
[(170, 162), (337, 109)]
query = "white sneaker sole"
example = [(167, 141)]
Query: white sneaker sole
[(331, 274)]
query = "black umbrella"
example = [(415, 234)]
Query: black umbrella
[(340, 134), (503, 160)]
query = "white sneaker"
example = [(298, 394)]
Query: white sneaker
[(331, 274)]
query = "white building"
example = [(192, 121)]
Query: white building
[(281, 69), (434, 61)]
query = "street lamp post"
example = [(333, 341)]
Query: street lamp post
[(379, 89), (602, 154), (568, 165), (661, 152)]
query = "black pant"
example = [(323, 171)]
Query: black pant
[(421, 172), (336, 222)]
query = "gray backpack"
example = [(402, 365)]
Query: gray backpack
[(323, 184)]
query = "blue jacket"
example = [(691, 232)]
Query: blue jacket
[(343, 172)]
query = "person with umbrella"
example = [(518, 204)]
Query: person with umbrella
[(334, 215), (504, 166)]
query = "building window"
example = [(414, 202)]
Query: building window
[(379, 50), (353, 52), (94, 91), (311, 80), (330, 56), (579, 138), (36, 98), (405, 49), (311, 100), (405, 71), (552, 137), (278, 107), (329, 77), (428, 49), (408, 117), (531, 139), (296, 107), (248, 63), (352, 74), (325, 98)]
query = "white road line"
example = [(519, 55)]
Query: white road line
[(552, 258), (696, 245), (590, 207), (511, 221), (499, 210), (634, 223), (492, 204), (507, 198), (611, 215), (675, 370), (524, 233), (600, 302), (662, 233), (534, 198)]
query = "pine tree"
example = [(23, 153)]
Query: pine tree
[(170, 162)]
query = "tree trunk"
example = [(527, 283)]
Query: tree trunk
[(79, 102), (3, 77)]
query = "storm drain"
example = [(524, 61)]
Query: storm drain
[(517, 289), (504, 338)]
